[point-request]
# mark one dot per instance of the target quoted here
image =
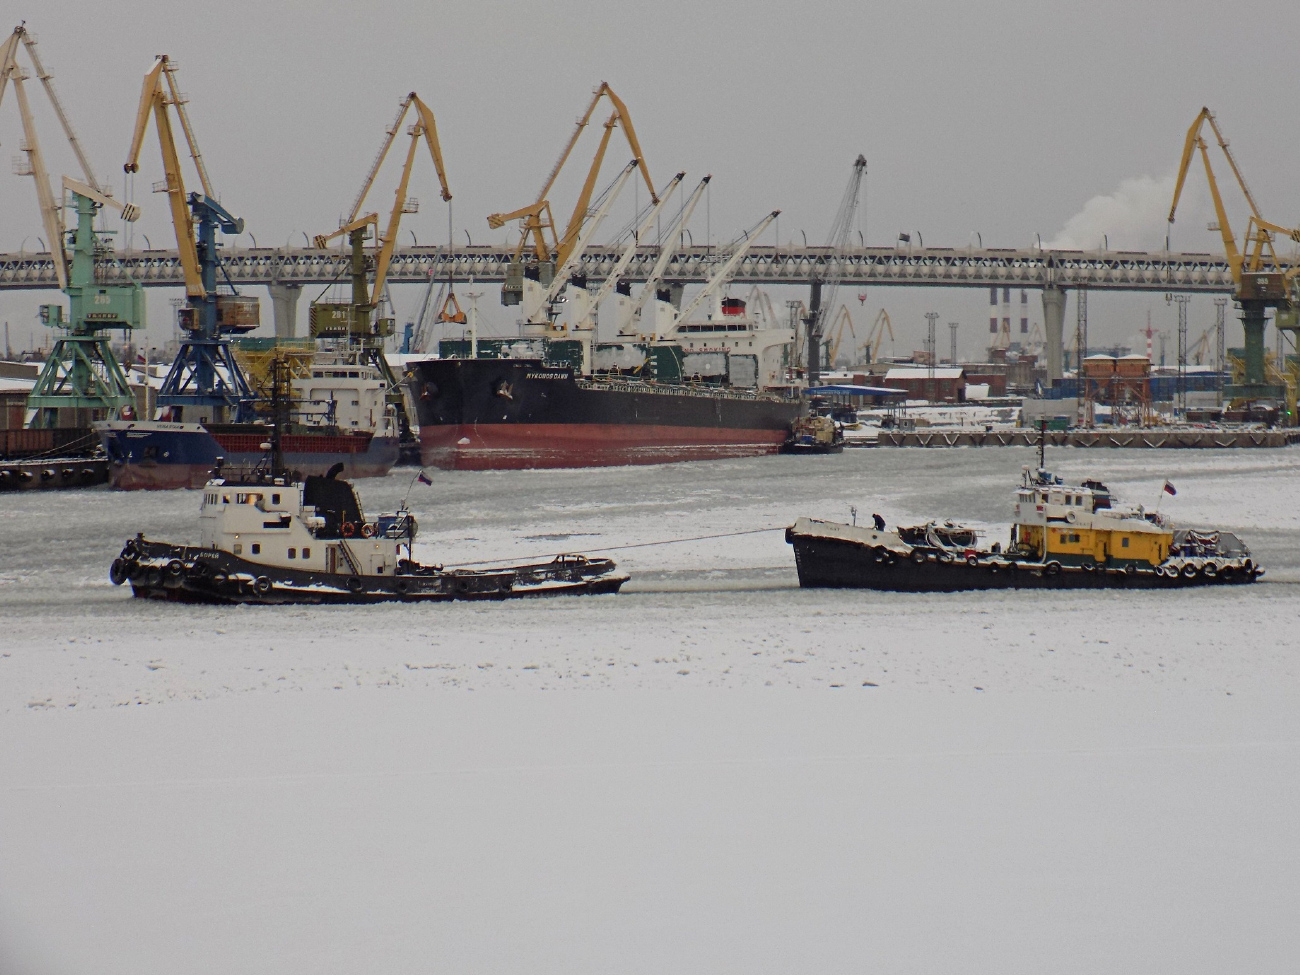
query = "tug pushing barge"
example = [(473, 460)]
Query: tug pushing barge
[(1064, 537)]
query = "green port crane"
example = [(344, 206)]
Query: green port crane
[(81, 373)]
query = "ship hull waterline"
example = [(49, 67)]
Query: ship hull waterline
[(509, 414), (160, 457)]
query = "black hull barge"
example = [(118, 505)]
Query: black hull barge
[(1064, 536), (833, 556)]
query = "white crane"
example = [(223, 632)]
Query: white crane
[(715, 283), (629, 317), (825, 283)]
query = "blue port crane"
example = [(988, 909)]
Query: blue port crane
[(204, 376)]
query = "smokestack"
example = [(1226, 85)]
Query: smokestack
[(1006, 309), (1024, 312), (993, 311)]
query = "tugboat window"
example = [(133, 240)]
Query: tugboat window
[(257, 548), (239, 549), (1123, 543), (306, 553), (293, 553), (275, 499)]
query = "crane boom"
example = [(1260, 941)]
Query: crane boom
[(666, 253), (728, 267), (178, 101), (426, 125), (531, 215), (47, 81), (153, 100), (51, 210), (589, 227), (826, 282), (634, 240)]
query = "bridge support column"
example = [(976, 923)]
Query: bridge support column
[(284, 304), (1054, 331)]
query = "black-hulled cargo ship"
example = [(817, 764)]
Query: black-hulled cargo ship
[(508, 413)]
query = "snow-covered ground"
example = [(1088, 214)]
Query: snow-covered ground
[(757, 778)]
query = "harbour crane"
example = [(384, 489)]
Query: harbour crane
[(1260, 280), (635, 233), (528, 279), (713, 288), (835, 335), (81, 372), (204, 374), (827, 277), (356, 320), (630, 313), (875, 337)]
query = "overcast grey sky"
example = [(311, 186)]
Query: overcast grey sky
[(1010, 119)]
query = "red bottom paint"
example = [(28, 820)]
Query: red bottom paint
[(515, 446)]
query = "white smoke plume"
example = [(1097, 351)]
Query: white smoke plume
[(1134, 217)]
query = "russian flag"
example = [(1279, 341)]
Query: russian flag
[(1169, 488), (424, 478)]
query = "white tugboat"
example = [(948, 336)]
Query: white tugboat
[(267, 536), (275, 539)]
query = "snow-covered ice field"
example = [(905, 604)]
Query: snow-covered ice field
[(713, 771)]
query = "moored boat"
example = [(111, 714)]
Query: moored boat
[(1063, 537)]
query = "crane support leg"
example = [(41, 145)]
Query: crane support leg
[(814, 373), (284, 306), (1254, 385), (1054, 331)]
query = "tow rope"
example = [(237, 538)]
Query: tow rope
[(617, 548)]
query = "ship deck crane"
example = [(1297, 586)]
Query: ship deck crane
[(356, 320), (630, 315), (634, 234), (526, 281), (204, 374), (1260, 280), (826, 281), (723, 274), (81, 372)]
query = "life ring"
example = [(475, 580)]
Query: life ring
[(354, 583), (117, 573), (918, 556), (262, 585), (1071, 517), (367, 530), (1189, 571), (347, 529)]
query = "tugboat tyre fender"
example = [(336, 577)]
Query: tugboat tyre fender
[(918, 556), (972, 560), (1189, 571), (1226, 574), (367, 530), (262, 585), (1051, 568), (347, 529), (153, 577), (402, 586), (129, 550), (354, 583), (1211, 570), (117, 573), (175, 567), (1248, 567)]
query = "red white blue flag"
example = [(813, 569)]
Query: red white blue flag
[(424, 478), (1169, 488)]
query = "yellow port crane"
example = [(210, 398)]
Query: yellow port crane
[(355, 320), (875, 338), (835, 334), (1260, 278), (536, 219)]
